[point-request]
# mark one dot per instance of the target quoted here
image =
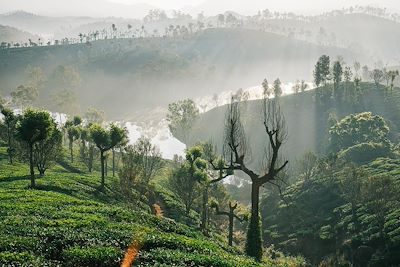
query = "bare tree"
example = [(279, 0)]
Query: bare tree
[(231, 215), (235, 147)]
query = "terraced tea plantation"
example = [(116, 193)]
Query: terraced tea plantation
[(68, 221)]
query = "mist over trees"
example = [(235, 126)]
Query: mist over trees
[(271, 139)]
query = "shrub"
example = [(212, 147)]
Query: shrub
[(99, 256), (365, 152)]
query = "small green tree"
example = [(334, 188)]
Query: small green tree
[(9, 121), (73, 132), (115, 135), (148, 159), (106, 139), (185, 179), (46, 151), (33, 127), (337, 73), (377, 76), (181, 117), (322, 71)]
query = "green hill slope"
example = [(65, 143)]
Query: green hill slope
[(68, 221), (307, 121)]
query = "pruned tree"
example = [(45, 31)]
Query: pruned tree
[(106, 139), (115, 136), (46, 151), (236, 149), (231, 216), (73, 132), (34, 126)]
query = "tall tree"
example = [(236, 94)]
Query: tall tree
[(277, 88), (73, 132), (235, 147), (322, 71), (266, 89), (33, 127), (392, 74), (337, 73)]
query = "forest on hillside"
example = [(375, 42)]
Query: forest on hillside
[(270, 140)]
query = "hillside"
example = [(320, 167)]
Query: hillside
[(13, 35), (306, 121), (69, 221), (374, 36), (133, 71)]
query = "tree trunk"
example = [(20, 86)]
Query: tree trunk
[(106, 166), (90, 158), (255, 198), (71, 150), (204, 213), (9, 145), (32, 171), (102, 158), (83, 149), (254, 241), (113, 162), (230, 234)]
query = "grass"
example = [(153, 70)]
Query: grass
[(68, 221)]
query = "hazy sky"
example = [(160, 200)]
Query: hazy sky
[(126, 8)]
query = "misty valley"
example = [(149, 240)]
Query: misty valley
[(199, 137)]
